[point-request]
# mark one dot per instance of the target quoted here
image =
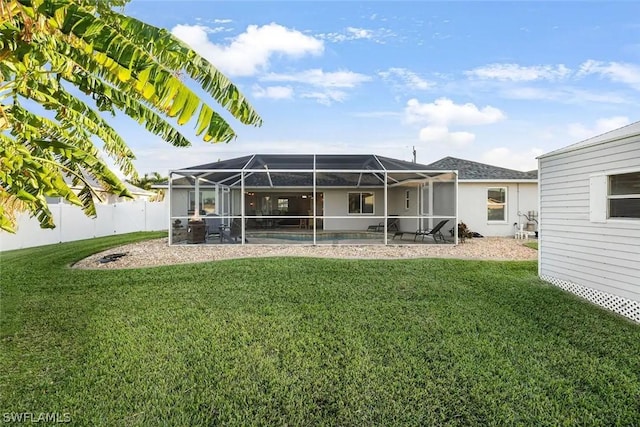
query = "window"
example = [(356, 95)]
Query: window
[(407, 199), (623, 196), (207, 202), (283, 205), (497, 204), (360, 203)]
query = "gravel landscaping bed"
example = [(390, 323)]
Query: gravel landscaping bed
[(158, 252)]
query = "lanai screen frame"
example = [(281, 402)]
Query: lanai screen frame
[(239, 174)]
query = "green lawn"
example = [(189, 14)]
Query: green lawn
[(308, 342)]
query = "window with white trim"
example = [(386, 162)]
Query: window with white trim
[(207, 202), (623, 195), (407, 199), (497, 204), (361, 203)]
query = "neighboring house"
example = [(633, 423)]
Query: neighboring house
[(590, 219), (319, 193), (494, 201), (137, 193)]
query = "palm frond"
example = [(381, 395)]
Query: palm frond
[(63, 149), (48, 47), (175, 55), (126, 60)]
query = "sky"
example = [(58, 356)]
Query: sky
[(495, 82)]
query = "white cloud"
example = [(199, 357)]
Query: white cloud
[(567, 95), (517, 160), (327, 97), (406, 78), (215, 30), (444, 111), (251, 51), (272, 92), (518, 73), (616, 71), (329, 87), (581, 132), (353, 33), (442, 135), (317, 77), (360, 33)]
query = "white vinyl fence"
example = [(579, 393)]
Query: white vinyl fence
[(72, 224)]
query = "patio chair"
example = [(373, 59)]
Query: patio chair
[(213, 224), (435, 232), (392, 225), (230, 233)]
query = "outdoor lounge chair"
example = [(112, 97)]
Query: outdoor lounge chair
[(435, 232), (392, 225)]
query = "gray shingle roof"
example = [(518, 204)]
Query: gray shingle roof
[(306, 162), (469, 170), (297, 170)]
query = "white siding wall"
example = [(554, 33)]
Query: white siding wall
[(600, 255), (472, 204)]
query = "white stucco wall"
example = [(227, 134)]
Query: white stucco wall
[(336, 203), (472, 206), (179, 202), (444, 203), (398, 199)]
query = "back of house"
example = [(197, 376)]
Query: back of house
[(492, 200), (590, 219)]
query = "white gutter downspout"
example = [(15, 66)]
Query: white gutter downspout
[(518, 201), (386, 213), (242, 207), (315, 199), (419, 204), (430, 220), (455, 225)]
